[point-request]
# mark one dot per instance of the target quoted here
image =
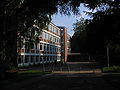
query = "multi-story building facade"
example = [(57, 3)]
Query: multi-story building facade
[(68, 43), (64, 43), (53, 46), (47, 50)]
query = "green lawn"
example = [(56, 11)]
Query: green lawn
[(32, 72), (19, 77), (24, 75)]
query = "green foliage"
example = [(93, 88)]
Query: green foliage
[(111, 69), (80, 36), (100, 32), (80, 25)]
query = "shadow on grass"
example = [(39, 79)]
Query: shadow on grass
[(21, 76)]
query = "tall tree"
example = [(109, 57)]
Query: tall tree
[(79, 38), (102, 32)]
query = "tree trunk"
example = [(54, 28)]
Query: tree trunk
[(8, 40)]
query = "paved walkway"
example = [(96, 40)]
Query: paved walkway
[(70, 76)]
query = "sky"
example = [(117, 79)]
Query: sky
[(67, 21)]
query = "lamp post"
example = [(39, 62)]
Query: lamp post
[(108, 56)]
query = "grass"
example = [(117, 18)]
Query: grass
[(112, 79), (32, 73), (111, 69), (24, 75), (19, 77)]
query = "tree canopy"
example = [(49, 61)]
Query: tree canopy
[(102, 31)]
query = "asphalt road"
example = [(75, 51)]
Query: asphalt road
[(70, 76)]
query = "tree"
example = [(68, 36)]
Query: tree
[(79, 36), (19, 15), (101, 31)]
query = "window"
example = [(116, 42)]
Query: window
[(56, 49), (38, 46), (49, 27), (56, 30), (53, 39), (59, 50), (26, 59), (20, 59), (41, 46), (50, 48), (45, 35), (41, 58), (53, 48), (49, 37), (26, 47), (32, 58), (46, 58), (37, 58), (47, 47), (44, 47), (52, 28), (59, 40)]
